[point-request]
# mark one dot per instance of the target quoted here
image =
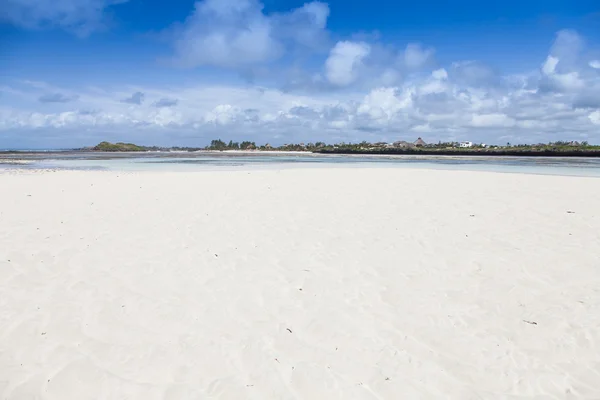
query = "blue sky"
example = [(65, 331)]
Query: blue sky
[(74, 72)]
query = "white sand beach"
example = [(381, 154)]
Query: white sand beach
[(345, 283)]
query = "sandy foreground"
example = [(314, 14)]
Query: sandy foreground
[(299, 284)]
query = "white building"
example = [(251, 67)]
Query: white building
[(465, 144)]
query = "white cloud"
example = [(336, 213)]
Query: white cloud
[(370, 63), (305, 25), (559, 82), (222, 114), (594, 64), (532, 124), (473, 73), (440, 74), (390, 77), (564, 70), (567, 47), (425, 128), (433, 86), (568, 82), (237, 33), (79, 16), (549, 66), (492, 120), (415, 56), (227, 33), (384, 103), (433, 108), (361, 90), (344, 62)]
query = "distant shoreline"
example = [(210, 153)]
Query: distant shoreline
[(339, 152), (419, 147), (469, 153)]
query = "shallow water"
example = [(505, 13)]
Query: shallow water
[(227, 161)]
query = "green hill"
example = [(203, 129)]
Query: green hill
[(107, 146)]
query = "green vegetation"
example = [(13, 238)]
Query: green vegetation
[(221, 145), (452, 148), (117, 147), (553, 149), (419, 147), (107, 146)]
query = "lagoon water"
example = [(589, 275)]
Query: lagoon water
[(185, 161)]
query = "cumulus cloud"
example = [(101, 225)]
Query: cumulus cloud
[(549, 66), (344, 61), (237, 33), (492, 120), (135, 98), (305, 25), (268, 115), (440, 74), (56, 98), (165, 102), (367, 63), (559, 82), (384, 104), (567, 48), (594, 64), (377, 97), (415, 56), (564, 70), (562, 82), (79, 16), (473, 73)]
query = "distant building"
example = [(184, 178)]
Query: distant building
[(420, 142), (401, 144), (465, 144), (268, 146)]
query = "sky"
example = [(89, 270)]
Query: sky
[(183, 72)]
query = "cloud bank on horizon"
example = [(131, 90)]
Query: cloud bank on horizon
[(307, 83)]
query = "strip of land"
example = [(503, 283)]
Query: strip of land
[(554, 149)]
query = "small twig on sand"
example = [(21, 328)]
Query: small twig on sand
[(530, 322)]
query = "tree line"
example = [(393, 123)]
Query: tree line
[(364, 147)]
